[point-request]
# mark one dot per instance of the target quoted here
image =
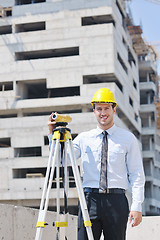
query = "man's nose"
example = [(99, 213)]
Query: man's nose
[(103, 112)]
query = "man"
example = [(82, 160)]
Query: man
[(111, 161)]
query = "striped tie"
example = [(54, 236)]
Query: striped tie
[(103, 176)]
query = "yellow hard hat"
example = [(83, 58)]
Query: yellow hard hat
[(103, 95)]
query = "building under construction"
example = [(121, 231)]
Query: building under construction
[(54, 56)]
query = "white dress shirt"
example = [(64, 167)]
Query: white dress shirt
[(124, 166)]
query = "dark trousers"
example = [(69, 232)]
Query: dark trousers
[(108, 214)]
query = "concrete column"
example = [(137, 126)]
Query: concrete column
[(148, 98), (19, 114), (13, 28), (152, 168), (150, 143), (148, 79), (149, 121)]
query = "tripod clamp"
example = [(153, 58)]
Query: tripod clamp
[(61, 133)]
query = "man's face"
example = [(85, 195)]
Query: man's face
[(104, 114)]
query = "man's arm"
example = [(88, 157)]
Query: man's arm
[(137, 180)]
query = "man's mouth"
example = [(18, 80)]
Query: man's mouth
[(104, 118)]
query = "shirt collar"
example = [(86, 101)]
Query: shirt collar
[(110, 131)]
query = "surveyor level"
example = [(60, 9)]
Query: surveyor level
[(61, 139)]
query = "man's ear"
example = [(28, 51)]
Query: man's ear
[(114, 109)]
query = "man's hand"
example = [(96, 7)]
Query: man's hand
[(51, 124), (136, 217)]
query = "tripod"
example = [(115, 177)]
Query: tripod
[(61, 139)]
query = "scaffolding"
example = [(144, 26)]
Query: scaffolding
[(158, 114), (142, 49), (157, 103), (139, 45), (1, 12), (5, 11), (154, 1)]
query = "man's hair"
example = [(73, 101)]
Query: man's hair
[(113, 104)]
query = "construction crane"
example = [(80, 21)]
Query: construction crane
[(154, 43), (154, 1)]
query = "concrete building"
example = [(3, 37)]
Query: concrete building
[(150, 118), (55, 55), (150, 132)]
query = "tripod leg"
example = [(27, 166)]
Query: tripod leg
[(58, 195), (45, 196), (47, 175), (82, 200), (66, 180), (62, 220), (63, 230)]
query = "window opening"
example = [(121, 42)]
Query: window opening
[(27, 152), (6, 86), (122, 15), (93, 20), (136, 117), (36, 89), (100, 78), (122, 63), (130, 101), (23, 2), (32, 114), (46, 140), (29, 172), (5, 142), (8, 116), (28, 27), (134, 84), (64, 92), (51, 53), (5, 29), (130, 57)]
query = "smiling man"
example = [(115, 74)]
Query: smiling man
[(104, 114), (111, 161)]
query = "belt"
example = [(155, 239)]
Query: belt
[(107, 191)]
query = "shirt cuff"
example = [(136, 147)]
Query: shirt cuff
[(136, 206)]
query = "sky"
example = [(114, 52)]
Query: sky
[(146, 13)]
